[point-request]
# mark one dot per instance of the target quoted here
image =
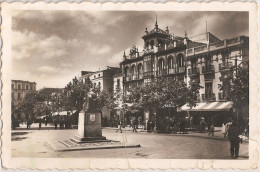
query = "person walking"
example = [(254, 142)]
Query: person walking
[(134, 124), (211, 130), (119, 125), (233, 136)]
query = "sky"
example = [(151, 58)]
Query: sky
[(52, 47)]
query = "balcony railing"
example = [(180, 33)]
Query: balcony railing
[(127, 78), (208, 69), (222, 96), (181, 69), (193, 71), (209, 97), (226, 66), (172, 71), (161, 72), (140, 76), (148, 74)]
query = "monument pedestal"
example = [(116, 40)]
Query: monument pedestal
[(89, 128)]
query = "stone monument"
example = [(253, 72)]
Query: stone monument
[(89, 122)]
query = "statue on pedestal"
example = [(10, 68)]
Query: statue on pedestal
[(89, 124)]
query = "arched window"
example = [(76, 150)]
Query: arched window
[(160, 66), (170, 62), (133, 71), (140, 71), (152, 44), (126, 71), (147, 45), (180, 59)]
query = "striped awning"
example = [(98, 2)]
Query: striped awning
[(209, 106)]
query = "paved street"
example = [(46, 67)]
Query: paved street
[(32, 143)]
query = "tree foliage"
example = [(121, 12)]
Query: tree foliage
[(75, 94), (236, 86), (164, 92)]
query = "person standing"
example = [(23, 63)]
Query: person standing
[(134, 124), (55, 123), (224, 130), (40, 124), (233, 136)]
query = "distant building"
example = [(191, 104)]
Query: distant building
[(103, 80), (50, 91), (19, 90)]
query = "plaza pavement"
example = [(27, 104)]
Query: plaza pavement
[(32, 143)]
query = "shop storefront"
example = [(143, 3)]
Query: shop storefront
[(214, 113)]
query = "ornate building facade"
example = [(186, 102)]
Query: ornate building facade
[(204, 61)]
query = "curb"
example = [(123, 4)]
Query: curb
[(56, 149)]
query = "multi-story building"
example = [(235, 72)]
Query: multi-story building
[(19, 90), (164, 54), (207, 65), (183, 58)]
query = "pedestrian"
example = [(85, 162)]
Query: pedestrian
[(55, 123), (202, 125), (134, 124), (224, 130), (28, 123), (211, 130), (233, 136), (119, 125), (46, 122), (40, 124)]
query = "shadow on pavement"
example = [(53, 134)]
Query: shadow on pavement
[(18, 133), (18, 138), (43, 128)]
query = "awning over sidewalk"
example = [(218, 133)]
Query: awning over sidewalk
[(209, 106)]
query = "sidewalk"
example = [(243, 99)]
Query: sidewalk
[(217, 133)]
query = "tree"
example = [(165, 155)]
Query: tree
[(236, 87), (75, 94), (164, 92)]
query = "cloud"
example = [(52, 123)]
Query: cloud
[(46, 69), (55, 45)]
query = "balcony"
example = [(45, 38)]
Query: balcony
[(226, 66), (172, 71), (148, 74), (193, 71), (181, 69), (208, 69), (140, 76), (126, 78), (161, 72), (208, 97), (222, 96)]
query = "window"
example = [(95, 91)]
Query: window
[(27, 87), (208, 89), (98, 75), (19, 95), (19, 86), (12, 86), (118, 83), (180, 60)]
